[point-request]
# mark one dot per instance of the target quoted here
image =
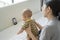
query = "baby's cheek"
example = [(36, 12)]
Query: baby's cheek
[(23, 19)]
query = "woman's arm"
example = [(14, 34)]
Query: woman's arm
[(46, 34), (28, 30), (39, 26)]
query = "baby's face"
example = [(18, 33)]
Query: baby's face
[(26, 15), (24, 18)]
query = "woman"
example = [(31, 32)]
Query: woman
[(51, 11)]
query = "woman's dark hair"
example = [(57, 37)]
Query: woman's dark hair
[(55, 6)]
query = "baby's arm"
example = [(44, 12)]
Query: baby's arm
[(23, 28), (20, 31)]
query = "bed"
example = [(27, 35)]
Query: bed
[(11, 32)]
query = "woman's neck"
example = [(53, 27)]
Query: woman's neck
[(50, 17)]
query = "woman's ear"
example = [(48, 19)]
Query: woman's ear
[(48, 10), (49, 7)]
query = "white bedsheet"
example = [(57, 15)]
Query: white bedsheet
[(21, 36), (11, 33)]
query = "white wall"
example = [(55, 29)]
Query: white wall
[(7, 13)]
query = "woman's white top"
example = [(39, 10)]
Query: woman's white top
[(50, 31)]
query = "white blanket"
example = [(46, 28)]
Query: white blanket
[(21, 36)]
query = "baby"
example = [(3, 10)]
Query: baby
[(27, 14)]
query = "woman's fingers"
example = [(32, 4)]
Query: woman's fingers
[(28, 30)]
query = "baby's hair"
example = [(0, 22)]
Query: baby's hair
[(27, 12)]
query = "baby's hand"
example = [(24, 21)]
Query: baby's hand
[(20, 31)]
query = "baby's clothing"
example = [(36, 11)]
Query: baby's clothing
[(32, 24)]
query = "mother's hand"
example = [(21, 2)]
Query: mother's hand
[(28, 30)]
